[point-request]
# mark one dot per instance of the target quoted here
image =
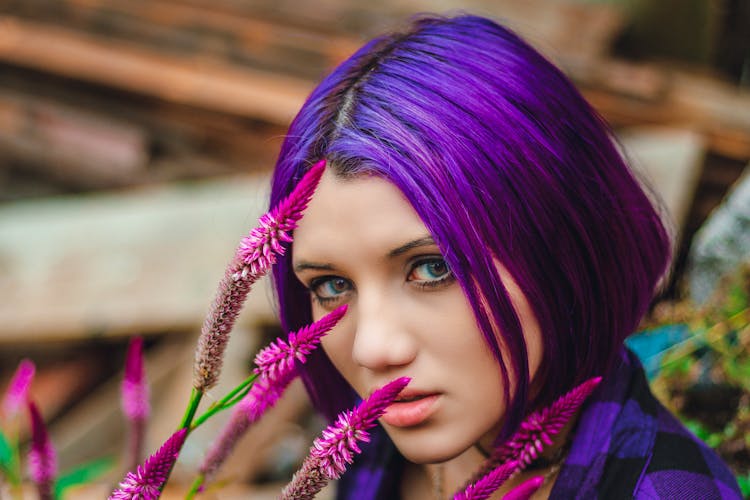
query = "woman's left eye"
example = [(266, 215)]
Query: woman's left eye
[(430, 271)]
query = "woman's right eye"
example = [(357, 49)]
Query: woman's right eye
[(328, 289)]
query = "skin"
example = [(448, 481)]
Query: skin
[(361, 243)]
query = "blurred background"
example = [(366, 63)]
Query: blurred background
[(136, 140)]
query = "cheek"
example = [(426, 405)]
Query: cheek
[(337, 345)]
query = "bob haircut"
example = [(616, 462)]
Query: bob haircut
[(504, 161)]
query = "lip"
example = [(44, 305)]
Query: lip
[(411, 413)]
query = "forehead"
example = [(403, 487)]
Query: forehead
[(362, 211)]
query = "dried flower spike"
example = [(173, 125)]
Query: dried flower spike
[(484, 487), (335, 449), (254, 257), (146, 481), (276, 367), (42, 458), (18, 390)]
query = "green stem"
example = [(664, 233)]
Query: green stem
[(192, 408), (195, 487), (234, 396)]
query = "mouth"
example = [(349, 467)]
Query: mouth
[(411, 408), (408, 398)]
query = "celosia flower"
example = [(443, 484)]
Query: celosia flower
[(135, 400), (335, 449), (276, 367), (254, 257), (18, 389), (42, 458), (537, 430), (539, 427), (484, 487), (135, 393), (146, 481), (524, 490), (280, 355)]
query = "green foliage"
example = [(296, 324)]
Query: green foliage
[(83, 474), (8, 464), (713, 360)]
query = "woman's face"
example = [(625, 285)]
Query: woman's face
[(361, 243)]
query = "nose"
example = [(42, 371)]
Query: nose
[(382, 340)]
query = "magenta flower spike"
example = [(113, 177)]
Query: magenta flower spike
[(539, 427), (484, 487), (18, 390), (42, 458), (135, 400), (537, 430), (146, 481), (254, 257), (135, 393), (524, 490), (335, 449), (276, 370), (280, 355)]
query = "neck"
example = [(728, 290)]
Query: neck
[(426, 482)]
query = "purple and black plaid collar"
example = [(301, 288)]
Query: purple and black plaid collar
[(627, 445)]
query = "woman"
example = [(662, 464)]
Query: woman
[(491, 244)]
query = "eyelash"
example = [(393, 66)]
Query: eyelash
[(420, 284)]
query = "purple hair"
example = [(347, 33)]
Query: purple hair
[(504, 161)]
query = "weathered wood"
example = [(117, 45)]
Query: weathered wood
[(207, 84), (145, 261)]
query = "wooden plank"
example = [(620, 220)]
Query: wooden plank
[(671, 162), (207, 84), (144, 261)]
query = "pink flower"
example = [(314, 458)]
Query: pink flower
[(280, 356), (135, 401), (276, 367), (42, 458), (146, 481), (258, 250), (484, 487), (18, 389), (539, 427), (135, 393), (254, 257), (524, 490), (335, 449)]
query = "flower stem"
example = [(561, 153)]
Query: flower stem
[(234, 396), (192, 408), (195, 488)]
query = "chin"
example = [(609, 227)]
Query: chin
[(428, 448)]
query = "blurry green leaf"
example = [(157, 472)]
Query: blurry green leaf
[(6, 452), (744, 482), (697, 428), (675, 366), (714, 440), (8, 464), (83, 474)]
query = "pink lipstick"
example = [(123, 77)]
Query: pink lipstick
[(410, 409)]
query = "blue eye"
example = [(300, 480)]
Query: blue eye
[(329, 288), (430, 271)]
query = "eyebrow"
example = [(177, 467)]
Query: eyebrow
[(419, 242)]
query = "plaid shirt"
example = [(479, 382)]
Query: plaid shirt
[(627, 445)]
